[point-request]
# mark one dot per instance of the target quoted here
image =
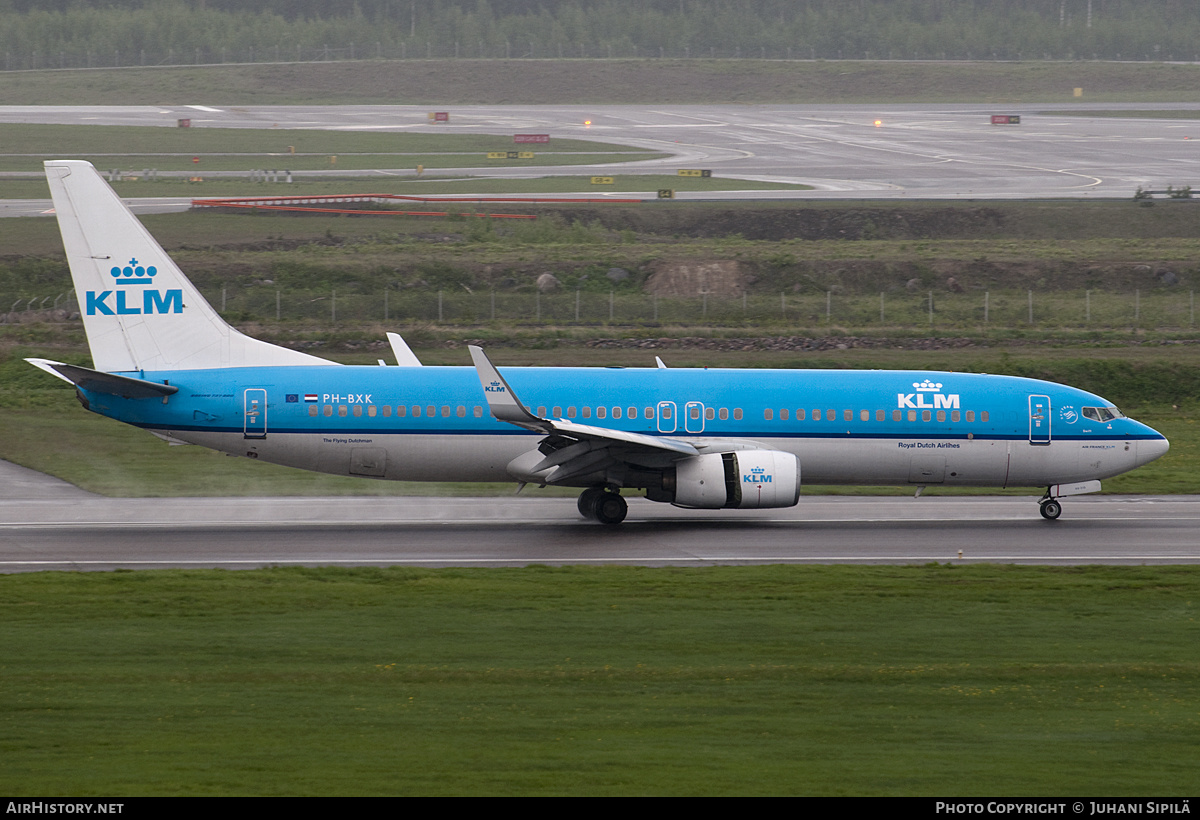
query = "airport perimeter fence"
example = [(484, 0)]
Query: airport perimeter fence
[(1001, 309)]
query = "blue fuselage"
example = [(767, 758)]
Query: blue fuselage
[(861, 427)]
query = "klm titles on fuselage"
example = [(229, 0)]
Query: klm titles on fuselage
[(917, 400), (152, 301)]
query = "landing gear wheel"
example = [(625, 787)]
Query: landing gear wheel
[(611, 508), (1051, 509), (587, 501)]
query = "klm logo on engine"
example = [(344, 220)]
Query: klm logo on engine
[(920, 399), (757, 476), (125, 302)]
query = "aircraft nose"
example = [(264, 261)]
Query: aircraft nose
[(1150, 449)]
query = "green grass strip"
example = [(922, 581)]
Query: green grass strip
[(755, 680)]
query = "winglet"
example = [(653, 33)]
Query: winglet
[(501, 399), (403, 353)]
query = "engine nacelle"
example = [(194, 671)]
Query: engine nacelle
[(745, 479)]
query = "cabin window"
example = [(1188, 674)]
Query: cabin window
[(864, 415), (401, 410), (416, 411), (541, 412), (955, 415), (970, 415), (880, 415), (632, 413), (896, 415), (767, 414), (737, 414), (431, 411), (586, 412), (783, 414), (372, 410), (358, 410), (912, 415), (600, 412), (983, 416), (445, 411), (816, 414), (387, 411), (570, 412), (616, 413), (328, 410), (848, 415), (926, 415), (478, 412), (342, 410), (461, 412), (648, 412), (800, 414), (941, 415), (557, 412), (708, 413), (831, 415), (312, 409), (724, 414)]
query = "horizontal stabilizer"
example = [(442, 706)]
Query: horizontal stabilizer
[(96, 382)]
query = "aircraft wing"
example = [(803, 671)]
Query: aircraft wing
[(571, 449)]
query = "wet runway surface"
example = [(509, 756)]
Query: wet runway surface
[(85, 532)]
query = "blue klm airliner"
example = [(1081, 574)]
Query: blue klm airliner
[(165, 361)]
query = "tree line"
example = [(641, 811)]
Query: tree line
[(69, 33)]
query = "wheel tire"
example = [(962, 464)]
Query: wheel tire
[(587, 501), (1051, 510), (611, 509)]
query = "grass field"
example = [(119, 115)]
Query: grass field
[(933, 680), (439, 84), (410, 184)]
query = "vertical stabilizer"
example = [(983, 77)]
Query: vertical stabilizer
[(139, 310)]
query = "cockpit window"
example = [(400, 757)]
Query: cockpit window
[(1102, 413)]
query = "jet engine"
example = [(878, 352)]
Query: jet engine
[(745, 479)]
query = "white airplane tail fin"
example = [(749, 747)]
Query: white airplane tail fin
[(139, 311)]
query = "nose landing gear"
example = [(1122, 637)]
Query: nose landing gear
[(603, 504)]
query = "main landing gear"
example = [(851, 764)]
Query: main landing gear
[(603, 504), (1050, 508)]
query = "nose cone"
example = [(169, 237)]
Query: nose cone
[(1149, 449)]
